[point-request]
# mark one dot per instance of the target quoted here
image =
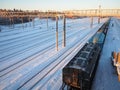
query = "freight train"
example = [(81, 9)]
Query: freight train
[(79, 72)]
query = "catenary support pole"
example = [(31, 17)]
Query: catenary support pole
[(33, 21), (47, 20), (91, 25), (57, 33), (64, 31), (22, 22)]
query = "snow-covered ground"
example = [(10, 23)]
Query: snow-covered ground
[(28, 57), (106, 77)]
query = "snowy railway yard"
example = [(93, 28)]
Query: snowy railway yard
[(29, 60)]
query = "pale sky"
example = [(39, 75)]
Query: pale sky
[(58, 4)]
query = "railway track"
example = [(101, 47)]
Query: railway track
[(65, 59), (52, 46), (34, 46), (38, 42), (12, 46), (24, 70)]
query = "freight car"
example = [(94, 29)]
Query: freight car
[(79, 72)]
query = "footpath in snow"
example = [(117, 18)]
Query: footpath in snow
[(106, 78)]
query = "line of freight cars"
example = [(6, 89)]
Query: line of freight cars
[(80, 71)]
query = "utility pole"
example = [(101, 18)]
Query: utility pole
[(33, 21), (64, 31), (13, 21), (30, 21), (47, 20), (91, 22), (0, 29), (10, 22), (99, 13), (40, 21), (22, 22), (57, 33)]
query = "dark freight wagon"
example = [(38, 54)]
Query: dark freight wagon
[(79, 72)]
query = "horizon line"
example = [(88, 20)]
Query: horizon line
[(56, 9)]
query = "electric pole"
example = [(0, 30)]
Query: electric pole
[(57, 33), (64, 31)]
